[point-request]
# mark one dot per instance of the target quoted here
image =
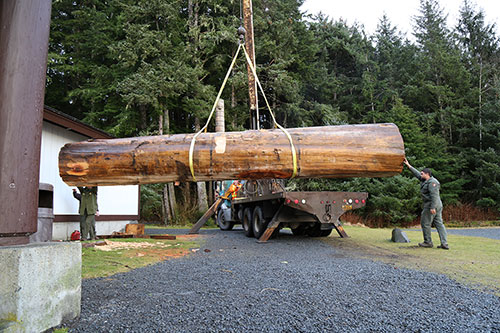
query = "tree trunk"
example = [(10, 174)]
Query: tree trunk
[(202, 196), (480, 105), (201, 186), (167, 212), (144, 116), (171, 196), (167, 215), (186, 193), (210, 194), (322, 152), (219, 128), (168, 191)]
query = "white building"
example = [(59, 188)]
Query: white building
[(118, 205)]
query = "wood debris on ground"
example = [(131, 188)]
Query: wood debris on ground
[(129, 235), (112, 245)]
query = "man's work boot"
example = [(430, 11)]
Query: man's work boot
[(444, 247), (424, 244)]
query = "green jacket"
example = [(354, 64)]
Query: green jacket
[(88, 200), (430, 190)]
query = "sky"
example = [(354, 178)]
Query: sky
[(400, 12)]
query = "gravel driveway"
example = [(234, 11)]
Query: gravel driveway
[(490, 232), (291, 284), (493, 233)]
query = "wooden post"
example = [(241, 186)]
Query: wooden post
[(250, 48), (219, 117), (24, 36)]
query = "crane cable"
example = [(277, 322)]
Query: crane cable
[(193, 140)]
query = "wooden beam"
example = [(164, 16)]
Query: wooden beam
[(372, 150)]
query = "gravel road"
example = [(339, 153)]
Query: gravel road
[(490, 232), (493, 233), (291, 284)]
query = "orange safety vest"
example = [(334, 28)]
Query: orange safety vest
[(231, 193)]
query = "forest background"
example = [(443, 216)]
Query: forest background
[(147, 67)]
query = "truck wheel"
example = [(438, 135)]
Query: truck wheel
[(247, 222), (314, 231), (326, 233), (222, 223), (299, 231), (259, 224)]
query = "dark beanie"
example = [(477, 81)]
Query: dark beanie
[(427, 171)]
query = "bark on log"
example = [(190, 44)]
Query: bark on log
[(372, 150)]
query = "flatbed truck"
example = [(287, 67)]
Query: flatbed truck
[(263, 207)]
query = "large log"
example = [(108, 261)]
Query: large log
[(374, 150)]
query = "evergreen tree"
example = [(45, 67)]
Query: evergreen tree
[(479, 46), (440, 84), (480, 54), (80, 74)]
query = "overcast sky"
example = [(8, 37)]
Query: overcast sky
[(400, 12)]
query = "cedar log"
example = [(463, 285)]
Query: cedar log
[(372, 150)]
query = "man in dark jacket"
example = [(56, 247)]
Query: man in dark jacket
[(433, 207), (87, 210)]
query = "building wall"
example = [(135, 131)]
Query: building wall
[(63, 230), (112, 200)]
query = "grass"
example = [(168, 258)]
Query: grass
[(473, 261), (99, 263)]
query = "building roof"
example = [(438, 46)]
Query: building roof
[(66, 121)]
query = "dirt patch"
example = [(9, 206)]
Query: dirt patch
[(188, 237), (159, 253), (158, 250)]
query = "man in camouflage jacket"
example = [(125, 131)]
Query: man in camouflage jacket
[(87, 210), (433, 207)]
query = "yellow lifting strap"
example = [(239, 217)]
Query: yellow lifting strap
[(191, 148)]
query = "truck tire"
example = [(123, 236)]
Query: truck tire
[(259, 224), (247, 222), (299, 231), (222, 223), (314, 231), (326, 233)]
